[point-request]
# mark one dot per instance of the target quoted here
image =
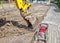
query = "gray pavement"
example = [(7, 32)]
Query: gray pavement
[(53, 20)]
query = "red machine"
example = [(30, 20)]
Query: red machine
[(42, 30), (41, 33)]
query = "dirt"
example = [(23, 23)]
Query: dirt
[(12, 24)]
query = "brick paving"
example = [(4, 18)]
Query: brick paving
[(53, 19)]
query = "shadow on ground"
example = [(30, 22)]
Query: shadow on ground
[(2, 22), (15, 23)]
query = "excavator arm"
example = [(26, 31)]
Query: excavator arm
[(22, 5)]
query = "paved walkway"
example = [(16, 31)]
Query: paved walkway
[(53, 19)]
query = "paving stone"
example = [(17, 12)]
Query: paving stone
[(53, 20)]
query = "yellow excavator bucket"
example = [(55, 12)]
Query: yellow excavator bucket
[(19, 3), (26, 5), (23, 5)]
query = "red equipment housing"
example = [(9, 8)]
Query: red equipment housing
[(42, 30)]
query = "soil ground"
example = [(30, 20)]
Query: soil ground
[(13, 28)]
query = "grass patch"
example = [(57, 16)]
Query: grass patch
[(5, 2), (2, 2), (58, 4)]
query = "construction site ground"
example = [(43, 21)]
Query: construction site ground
[(13, 28)]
